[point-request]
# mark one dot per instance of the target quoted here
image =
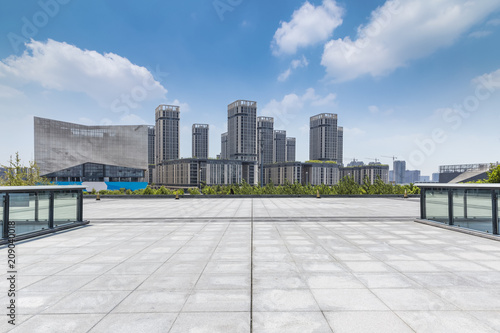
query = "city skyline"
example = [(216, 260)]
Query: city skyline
[(430, 98)]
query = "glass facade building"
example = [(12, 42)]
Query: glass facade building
[(223, 146), (167, 133), (265, 130), (65, 149)]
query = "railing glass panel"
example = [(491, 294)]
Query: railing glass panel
[(65, 207), (472, 209), (436, 201), (30, 211)]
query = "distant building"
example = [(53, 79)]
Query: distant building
[(200, 141), (320, 173), (191, 172), (425, 179), (323, 137), (167, 133), (435, 177), (372, 171), (412, 176), (463, 173), (281, 173), (399, 171), (355, 163), (223, 148), (290, 149), (67, 152), (265, 132), (279, 146), (242, 130)]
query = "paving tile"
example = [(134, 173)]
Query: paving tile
[(222, 281), (226, 300), (135, 322), (284, 300), (347, 299), (220, 322), (59, 323), (88, 302), (366, 321), (413, 299), (158, 301), (443, 322), (290, 322)]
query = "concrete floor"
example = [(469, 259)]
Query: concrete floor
[(256, 265)]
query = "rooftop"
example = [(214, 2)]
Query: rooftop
[(256, 265)]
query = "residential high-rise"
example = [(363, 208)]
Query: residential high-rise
[(340, 146), (242, 130), (200, 141), (265, 128), (223, 146), (399, 171), (290, 149), (323, 137), (151, 153), (279, 146), (167, 133)]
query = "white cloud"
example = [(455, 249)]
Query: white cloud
[(184, 107), (309, 25), (400, 31), (109, 79), (373, 109), (297, 63), (480, 34), (9, 92), (284, 111), (489, 81)]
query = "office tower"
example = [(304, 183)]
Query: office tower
[(279, 146), (200, 141), (242, 130), (223, 146), (151, 153), (340, 146), (265, 128), (290, 149), (399, 171), (323, 137), (167, 133)]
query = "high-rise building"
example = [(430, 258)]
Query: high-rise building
[(412, 176), (223, 146), (265, 129), (242, 130), (290, 149), (340, 146), (279, 146), (399, 171), (323, 137), (167, 133), (200, 141)]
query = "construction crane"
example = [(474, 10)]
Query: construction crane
[(393, 158)]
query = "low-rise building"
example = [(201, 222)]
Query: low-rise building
[(372, 171)]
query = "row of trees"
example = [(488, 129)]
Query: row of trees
[(346, 186)]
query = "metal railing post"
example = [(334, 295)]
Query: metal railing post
[(5, 231), (450, 207), (423, 213), (494, 214), (51, 210)]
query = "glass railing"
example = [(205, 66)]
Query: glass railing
[(33, 209), (472, 206)]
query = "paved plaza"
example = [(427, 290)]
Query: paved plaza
[(256, 265)]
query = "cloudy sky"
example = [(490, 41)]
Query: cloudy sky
[(415, 79)]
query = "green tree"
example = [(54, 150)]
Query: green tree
[(494, 174), (17, 174)]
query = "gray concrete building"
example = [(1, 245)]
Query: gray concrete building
[(372, 171), (223, 146), (279, 146), (290, 149), (200, 141), (167, 133), (324, 138), (242, 130), (72, 152), (282, 173), (265, 129)]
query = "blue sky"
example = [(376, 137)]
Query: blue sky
[(416, 79)]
